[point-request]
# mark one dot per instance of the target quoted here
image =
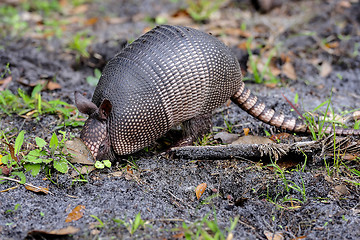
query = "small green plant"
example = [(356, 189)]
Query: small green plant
[(317, 128), (10, 21), (289, 185), (207, 229), (133, 225), (42, 7), (5, 71), (100, 223), (93, 80), (45, 156), (80, 43), (229, 126), (265, 75), (102, 164), (34, 106), (205, 140), (17, 206), (201, 10)]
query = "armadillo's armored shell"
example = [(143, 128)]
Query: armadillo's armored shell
[(167, 76)]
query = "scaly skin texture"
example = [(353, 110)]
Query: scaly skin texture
[(169, 75)]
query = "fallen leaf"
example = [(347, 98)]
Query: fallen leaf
[(37, 189), (252, 140), (350, 157), (332, 44), (200, 189), (289, 71), (91, 21), (80, 9), (341, 189), (280, 136), (4, 82), (129, 169), (274, 236), (80, 153), (246, 131), (117, 174), (58, 232), (52, 85), (178, 236), (326, 69), (75, 214)]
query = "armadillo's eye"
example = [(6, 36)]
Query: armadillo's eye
[(102, 147)]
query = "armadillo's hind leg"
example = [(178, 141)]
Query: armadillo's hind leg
[(195, 128)]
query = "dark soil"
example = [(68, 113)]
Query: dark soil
[(162, 188)]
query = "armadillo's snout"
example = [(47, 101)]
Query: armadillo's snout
[(93, 135)]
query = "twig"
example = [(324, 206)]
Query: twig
[(25, 184), (180, 200)]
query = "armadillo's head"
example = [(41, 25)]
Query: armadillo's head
[(95, 133)]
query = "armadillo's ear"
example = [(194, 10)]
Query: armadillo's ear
[(105, 109), (84, 105)]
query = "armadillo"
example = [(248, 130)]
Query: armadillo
[(169, 75)]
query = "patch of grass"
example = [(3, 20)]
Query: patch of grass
[(100, 224), (288, 185), (133, 225), (93, 80), (33, 107), (11, 22), (43, 157), (80, 43), (201, 10), (5, 71), (42, 7), (265, 75), (207, 229), (206, 140)]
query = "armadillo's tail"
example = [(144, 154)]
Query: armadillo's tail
[(249, 102)]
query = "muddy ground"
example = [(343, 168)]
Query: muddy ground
[(317, 46)]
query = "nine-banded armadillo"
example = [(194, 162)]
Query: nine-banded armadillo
[(169, 75)]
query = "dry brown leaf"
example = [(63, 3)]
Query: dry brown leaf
[(237, 32), (75, 214), (80, 153), (4, 82), (91, 21), (280, 136), (58, 232), (52, 85), (178, 236), (344, 4), (129, 169), (271, 85), (37, 189), (65, 231), (200, 189), (332, 44), (80, 9), (289, 71), (274, 236), (326, 69), (115, 20), (246, 131), (341, 189), (252, 140)]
